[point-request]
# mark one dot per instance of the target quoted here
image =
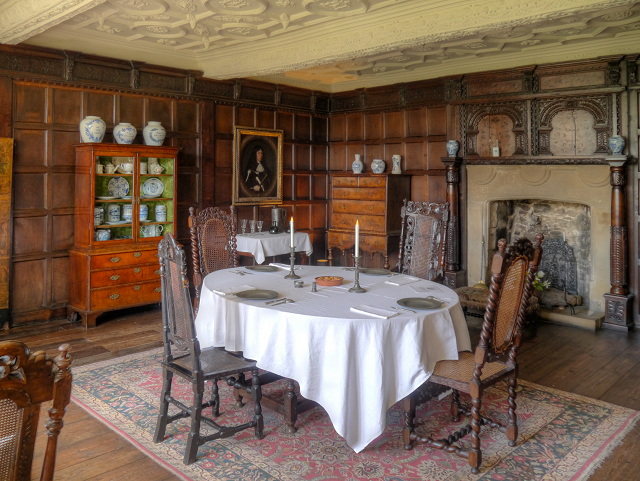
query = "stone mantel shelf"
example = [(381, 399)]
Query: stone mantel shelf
[(541, 160)]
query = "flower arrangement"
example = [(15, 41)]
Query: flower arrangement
[(539, 283)]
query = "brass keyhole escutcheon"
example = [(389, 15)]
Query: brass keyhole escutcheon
[(137, 254), (115, 259), (136, 288), (114, 296), (137, 270), (114, 277), (157, 289), (157, 272)]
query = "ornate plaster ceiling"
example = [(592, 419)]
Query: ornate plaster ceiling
[(329, 45)]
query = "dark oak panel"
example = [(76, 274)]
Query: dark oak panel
[(393, 125), (355, 127), (320, 160), (303, 127), (29, 235), (101, 105), (62, 232), (337, 128), (224, 154), (373, 126), (224, 119), (63, 189), (132, 111), (29, 148), (29, 191), (435, 151), (302, 186), (303, 157), (414, 155), (31, 103), (32, 279), (266, 119), (62, 147), (416, 122), (160, 110), (59, 281), (67, 106), (285, 123), (188, 116), (437, 121), (246, 117), (189, 152)]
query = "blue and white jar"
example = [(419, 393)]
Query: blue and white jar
[(161, 213), (378, 166), (357, 165), (452, 148), (616, 144), (124, 133), (113, 213), (154, 133), (396, 169), (144, 211), (102, 235), (92, 129), (98, 215), (127, 212)]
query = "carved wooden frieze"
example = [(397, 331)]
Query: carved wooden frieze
[(257, 95), (151, 81), (345, 103), (424, 94), (473, 114), (544, 111), (32, 64), (101, 73), (293, 100)]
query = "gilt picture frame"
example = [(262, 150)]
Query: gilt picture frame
[(257, 166)]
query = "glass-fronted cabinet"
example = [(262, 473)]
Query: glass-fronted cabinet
[(125, 202)]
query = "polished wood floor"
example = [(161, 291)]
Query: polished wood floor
[(603, 365)]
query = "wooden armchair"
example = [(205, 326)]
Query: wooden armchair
[(213, 243), (513, 269), (423, 239), (183, 357), (26, 381)]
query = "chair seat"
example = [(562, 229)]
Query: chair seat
[(472, 297), (216, 362), (462, 369)]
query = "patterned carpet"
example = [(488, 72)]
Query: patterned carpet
[(562, 436)]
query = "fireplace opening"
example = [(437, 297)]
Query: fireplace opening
[(567, 229)]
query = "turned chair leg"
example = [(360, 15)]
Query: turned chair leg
[(193, 440), (512, 423), (236, 394), (256, 394), (161, 425), (455, 406), (409, 406), (290, 408), (475, 455), (215, 398)]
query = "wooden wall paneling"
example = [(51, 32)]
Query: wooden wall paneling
[(419, 188), (66, 107), (32, 235), (266, 119), (320, 157), (285, 123), (287, 187), (414, 158), (373, 126), (224, 119), (131, 110), (436, 188), (62, 190), (394, 124), (303, 186), (320, 129), (287, 156), (102, 105), (61, 142), (59, 281), (246, 117), (223, 155), (337, 128), (416, 120), (320, 183), (355, 126), (6, 232), (30, 147), (391, 149), (302, 216), (62, 232), (29, 191), (371, 151), (6, 107), (303, 127), (337, 157), (436, 150), (437, 121), (352, 150), (209, 152), (319, 217), (302, 157), (30, 295), (31, 103), (187, 116), (161, 109)]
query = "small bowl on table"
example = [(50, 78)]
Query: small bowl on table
[(329, 281)]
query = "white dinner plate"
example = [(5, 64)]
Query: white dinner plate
[(262, 268), (152, 187), (106, 197), (375, 272), (117, 222), (118, 186), (420, 303), (257, 294)]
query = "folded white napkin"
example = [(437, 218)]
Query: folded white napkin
[(374, 311), (286, 267), (430, 289), (402, 280), (229, 291)]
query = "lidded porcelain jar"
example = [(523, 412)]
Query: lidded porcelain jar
[(378, 166), (154, 133), (92, 129), (452, 148), (616, 144), (357, 165), (124, 133)]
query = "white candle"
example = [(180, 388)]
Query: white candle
[(291, 229), (564, 237), (357, 238)]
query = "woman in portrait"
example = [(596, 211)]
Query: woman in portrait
[(257, 177)]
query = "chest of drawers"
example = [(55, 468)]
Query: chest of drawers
[(374, 200)]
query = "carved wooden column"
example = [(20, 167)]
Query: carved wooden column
[(618, 300), (453, 276)]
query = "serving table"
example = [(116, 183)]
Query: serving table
[(354, 365), (263, 244)]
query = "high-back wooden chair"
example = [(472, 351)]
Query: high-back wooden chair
[(213, 243), (183, 357), (423, 239), (26, 381), (513, 271)]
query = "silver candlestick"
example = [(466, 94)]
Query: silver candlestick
[(356, 285), (292, 274)]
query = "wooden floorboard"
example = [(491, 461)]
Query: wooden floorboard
[(603, 365)]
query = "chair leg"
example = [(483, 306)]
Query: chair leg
[(161, 424), (475, 455), (290, 407), (455, 406), (256, 394), (512, 424), (409, 406), (193, 439), (236, 394), (215, 399)]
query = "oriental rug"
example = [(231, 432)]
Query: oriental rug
[(562, 436)]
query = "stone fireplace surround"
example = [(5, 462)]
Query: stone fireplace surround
[(575, 183)]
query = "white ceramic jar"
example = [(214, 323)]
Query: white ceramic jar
[(92, 129), (357, 165), (378, 166), (124, 133), (154, 133)]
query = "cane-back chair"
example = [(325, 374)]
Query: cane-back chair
[(213, 243), (423, 239), (513, 271), (183, 357), (26, 381)]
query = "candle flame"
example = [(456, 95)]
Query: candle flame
[(357, 222)]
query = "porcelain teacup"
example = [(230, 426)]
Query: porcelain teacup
[(151, 230), (125, 168), (155, 168)]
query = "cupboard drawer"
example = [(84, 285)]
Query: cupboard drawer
[(123, 296), (123, 259), (359, 194), (373, 207), (373, 182), (124, 276), (372, 243), (345, 182), (341, 240), (367, 222)]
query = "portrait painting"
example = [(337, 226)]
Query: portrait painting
[(257, 166)]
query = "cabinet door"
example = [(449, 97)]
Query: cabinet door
[(113, 211), (156, 209)]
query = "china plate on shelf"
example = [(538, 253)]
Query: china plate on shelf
[(127, 197), (106, 197), (257, 294), (262, 268), (419, 303), (118, 186), (375, 272), (117, 222), (153, 187), (147, 221)]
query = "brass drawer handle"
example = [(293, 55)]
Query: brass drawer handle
[(137, 270), (157, 272), (370, 207), (344, 221), (344, 206), (115, 259), (157, 289), (114, 296), (114, 277), (156, 255), (371, 223), (137, 254), (136, 288)]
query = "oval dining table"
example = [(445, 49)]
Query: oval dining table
[(354, 364)]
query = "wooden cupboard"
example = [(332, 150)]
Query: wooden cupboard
[(374, 200), (114, 261)]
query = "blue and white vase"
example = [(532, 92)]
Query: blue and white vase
[(124, 133), (92, 129), (378, 166), (396, 164), (154, 133), (127, 212), (102, 235), (357, 165), (452, 148), (616, 144), (144, 211)]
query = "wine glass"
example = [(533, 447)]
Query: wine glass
[(243, 225), (252, 225), (259, 226)]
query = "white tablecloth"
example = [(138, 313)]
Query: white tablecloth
[(263, 244), (355, 366)]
